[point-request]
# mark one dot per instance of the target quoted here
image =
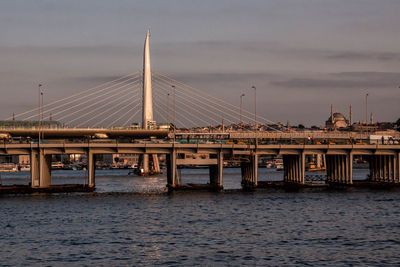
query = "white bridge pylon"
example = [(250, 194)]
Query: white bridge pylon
[(147, 111), (148, 163)]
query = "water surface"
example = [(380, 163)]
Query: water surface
[(130, 220)]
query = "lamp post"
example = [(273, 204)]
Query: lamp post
[(366, 108), (241, 96), (173, 87), (39, 112), (168, 110), (255, 107), (42, 119), (39, 126)]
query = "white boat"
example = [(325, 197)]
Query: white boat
[(8, 167), (25, 168)]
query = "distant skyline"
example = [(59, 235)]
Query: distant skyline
[(302, 55)]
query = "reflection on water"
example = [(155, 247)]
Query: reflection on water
[(118, 180), (122, 224)]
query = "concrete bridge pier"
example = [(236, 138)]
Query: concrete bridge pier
[(171, 170), (294, 168), (216, 172), (148, 165), (250, 172), (384, 168), (339, 168), (91, 165), (40, 169)]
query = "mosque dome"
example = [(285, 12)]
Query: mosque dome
[(338, 117), (338, 121)]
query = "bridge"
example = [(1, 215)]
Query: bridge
[(384, 160), (99, 120)]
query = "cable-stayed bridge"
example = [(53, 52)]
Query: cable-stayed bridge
[(119, 104), (144, 104)]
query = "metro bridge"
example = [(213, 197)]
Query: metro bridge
[(106, 112)]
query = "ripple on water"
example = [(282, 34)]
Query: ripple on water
[(133, 221)]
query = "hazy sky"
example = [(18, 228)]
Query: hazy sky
[(302, 55)]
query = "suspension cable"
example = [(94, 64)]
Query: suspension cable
[(130, 83), (194, 90), (71, 96), (120, 93), (101, 106), (197, 117), (119, 110)]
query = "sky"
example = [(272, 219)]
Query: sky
[(302, 55)]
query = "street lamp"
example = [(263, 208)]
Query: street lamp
[(39, 126), (39, 113), (168, 110), (39, 110), (173, 87), (255, 107), (366, 108), (241, 96)]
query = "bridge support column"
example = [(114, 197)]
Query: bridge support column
[(40, 169), (250, 172), (45, 174), (171, 169), (148, 165), (34, 159), (294, 168), (216, 172), (91, 169), (339, 168), (398, 167), (384, 168)]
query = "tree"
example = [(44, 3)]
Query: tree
[(301, 126)]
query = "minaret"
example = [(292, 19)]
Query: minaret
[(147, 92), (351, 115)]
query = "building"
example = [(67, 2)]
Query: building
[(336, 121)]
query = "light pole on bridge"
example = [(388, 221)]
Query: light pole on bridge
[(40, 94), (173, 87), (168, 111), (366, 108), (241, 96), (255, 107), (39, 131)]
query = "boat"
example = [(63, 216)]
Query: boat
[(57, 165), (8, 167), (312, 167), (24, 168)]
